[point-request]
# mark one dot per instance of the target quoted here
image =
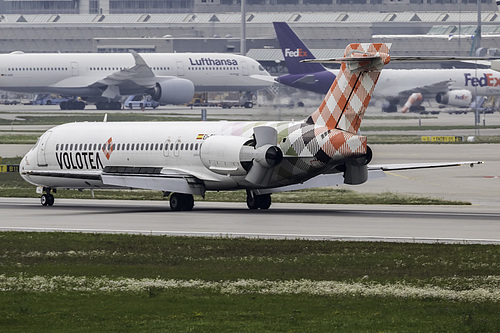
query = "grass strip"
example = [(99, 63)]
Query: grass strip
[(62, 282)]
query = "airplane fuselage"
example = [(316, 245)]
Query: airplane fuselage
[(75, 73), (74, 155), (483, 82)]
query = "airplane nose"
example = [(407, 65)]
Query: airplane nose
[(24, 165)]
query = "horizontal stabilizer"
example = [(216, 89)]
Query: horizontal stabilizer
[(396, 59), (394, 167)]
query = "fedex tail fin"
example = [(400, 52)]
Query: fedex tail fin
[(294, 50), (345, 103)]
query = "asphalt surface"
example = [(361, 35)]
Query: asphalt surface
[(479, 185), (462, 224)]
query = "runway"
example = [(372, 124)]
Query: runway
[(462, 224)]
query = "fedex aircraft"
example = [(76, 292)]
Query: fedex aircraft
[(183, 159), (454, 87), (170, 78)]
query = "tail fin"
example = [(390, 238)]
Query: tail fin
[(345, 103), (294, 50)]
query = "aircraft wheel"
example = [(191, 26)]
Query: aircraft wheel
[(50, 199), (44, 199), (265, 201), (189, 202), (253, 202), (179, 201), (248, 105)]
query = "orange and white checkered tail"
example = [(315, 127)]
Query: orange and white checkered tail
[(345, 103)]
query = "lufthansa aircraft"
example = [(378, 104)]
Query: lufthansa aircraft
[(170, 78), (186, 158), (454, 87)]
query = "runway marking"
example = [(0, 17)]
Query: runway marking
[(397, 239)]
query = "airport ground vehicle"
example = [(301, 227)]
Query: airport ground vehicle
[(140, 102)]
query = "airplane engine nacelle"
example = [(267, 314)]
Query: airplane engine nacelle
[(460, 98), (221, 154), (356, 170), (173, 91), (234, 156)]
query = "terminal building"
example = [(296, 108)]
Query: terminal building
[(223, 6), (434, 27)]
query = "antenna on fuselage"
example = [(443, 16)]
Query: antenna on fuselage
[(105, 120)]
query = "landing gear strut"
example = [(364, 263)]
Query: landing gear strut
[(47, 199), (181, 201), (258, 201)]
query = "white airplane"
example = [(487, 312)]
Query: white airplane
[(455, 87), (170, 78), (187, 158)]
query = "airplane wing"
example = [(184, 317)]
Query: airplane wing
[(432, 89), (153, 178), (394, 167), (306, 79), (374, 172), (124, 82), (267, 78)]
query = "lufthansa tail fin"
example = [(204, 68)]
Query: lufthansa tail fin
[(294, 50), (345, 103)]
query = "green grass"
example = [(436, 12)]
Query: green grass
[(417, 139), (192, 309), (95, 117)]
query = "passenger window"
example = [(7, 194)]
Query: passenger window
[(196, 147), (71, 147), (57, 147), (161, 146), (182, 146), (128, 146), (132, 146), (191, 147)]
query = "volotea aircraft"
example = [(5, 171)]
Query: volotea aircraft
[(104, 78), (185, 158)]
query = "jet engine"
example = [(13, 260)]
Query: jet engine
[(356, 170), (173, 91), (239, 156), (460, 98)]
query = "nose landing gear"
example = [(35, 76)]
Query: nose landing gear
[(47, 199)]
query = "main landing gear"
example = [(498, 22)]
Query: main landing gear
[(47, 199), (255, 201), (181, 201)]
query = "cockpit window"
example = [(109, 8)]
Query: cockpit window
[(261, 68)]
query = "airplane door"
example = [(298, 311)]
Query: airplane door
[(180, 68), (74, 68), (42, 147), (167, 148), (244, 68), (177, 147)]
